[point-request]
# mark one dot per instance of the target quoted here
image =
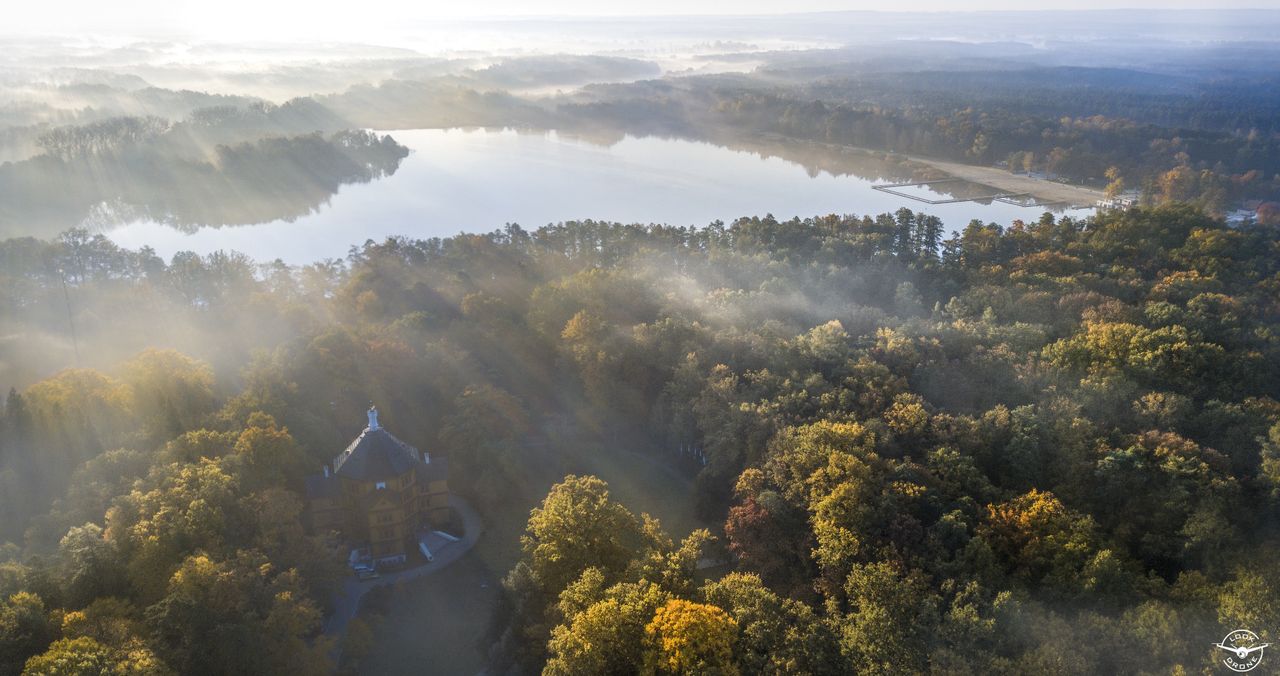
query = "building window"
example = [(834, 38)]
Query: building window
[(381, 485)]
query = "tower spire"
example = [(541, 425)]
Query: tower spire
[(373, 417)]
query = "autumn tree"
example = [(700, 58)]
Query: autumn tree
[(577, 527), (237, 616), (26, 629), (1040, 539), (690, 638), (1115, 182), (775, 635), (173, 392), (890, 619), (603, 630)]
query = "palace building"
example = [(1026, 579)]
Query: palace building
[(379, 493)]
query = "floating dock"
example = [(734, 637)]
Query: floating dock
[(1000, 196), (883, 186), (1033, 202), (1021, 199)]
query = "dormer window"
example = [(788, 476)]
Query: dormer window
[(381, 485)]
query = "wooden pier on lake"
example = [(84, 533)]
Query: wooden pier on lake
[(891, 188)]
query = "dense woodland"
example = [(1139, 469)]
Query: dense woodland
[(221, 166), (1208, 166), (1177, 124), (1047, 447)]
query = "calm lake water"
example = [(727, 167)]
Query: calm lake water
[(479, 180)]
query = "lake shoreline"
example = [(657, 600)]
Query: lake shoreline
[(1044, 190), (448, 185)]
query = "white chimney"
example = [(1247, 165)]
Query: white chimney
[(373, 418)]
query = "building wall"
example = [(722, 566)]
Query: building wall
[(326, 515), (388, 529), (433, 502), (388, 525)]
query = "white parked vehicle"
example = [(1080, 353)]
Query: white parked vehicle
[(450, 538)]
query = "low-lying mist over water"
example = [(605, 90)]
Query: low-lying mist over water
[(417, 338), (123, 135), (478, 180)]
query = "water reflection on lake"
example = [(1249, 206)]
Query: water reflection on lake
[(478, 180)]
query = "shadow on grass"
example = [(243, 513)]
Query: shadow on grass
[(439, 624), (436, 624)]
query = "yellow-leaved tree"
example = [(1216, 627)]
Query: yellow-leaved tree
[(690, 638)]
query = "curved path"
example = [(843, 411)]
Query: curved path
[(347, 601)]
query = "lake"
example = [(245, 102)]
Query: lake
[(458, 180)]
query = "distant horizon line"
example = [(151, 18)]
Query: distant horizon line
[(113, 30), (833, 12), (829, 12)]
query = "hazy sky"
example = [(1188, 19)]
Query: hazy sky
[(231, 19)]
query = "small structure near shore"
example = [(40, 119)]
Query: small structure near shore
[(1125, 200)]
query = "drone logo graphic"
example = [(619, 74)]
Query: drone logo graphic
[(1244, 652)]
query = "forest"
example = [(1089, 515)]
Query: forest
[(220, 166), (872, 444), (1173, 123), (1048, 446), (1206, 166)]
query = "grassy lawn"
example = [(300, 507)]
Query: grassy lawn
[(643, 484), (437, 624), (638, 481)]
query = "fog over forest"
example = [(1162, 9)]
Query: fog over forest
[(824, 437)]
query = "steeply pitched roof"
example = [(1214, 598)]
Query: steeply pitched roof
[(374, 455)]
